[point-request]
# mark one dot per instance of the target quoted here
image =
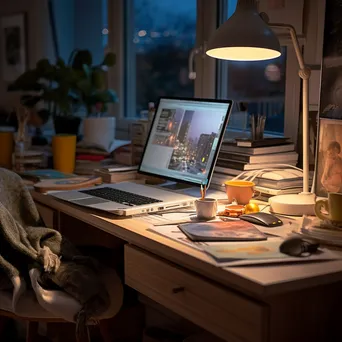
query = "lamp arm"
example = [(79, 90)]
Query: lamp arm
[(294, 39), (304, 73), (195, 51)]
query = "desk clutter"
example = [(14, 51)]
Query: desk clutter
[(239, 234), (270, 167)]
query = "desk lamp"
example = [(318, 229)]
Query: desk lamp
[(247, 37)]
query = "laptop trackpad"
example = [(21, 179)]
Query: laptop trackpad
[(89, 201)]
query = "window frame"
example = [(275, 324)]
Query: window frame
[(292, 84), (207, 69), (117, 17)]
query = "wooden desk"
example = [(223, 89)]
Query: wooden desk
[(239, 304)]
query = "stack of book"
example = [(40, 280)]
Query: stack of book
[(90, 157), (325, 232), (117, 173), (139, 135), (86, 163), (253, 156)]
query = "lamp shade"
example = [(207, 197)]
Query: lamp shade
[(244, 37)]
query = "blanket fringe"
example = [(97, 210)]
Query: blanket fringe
[(51, 261)]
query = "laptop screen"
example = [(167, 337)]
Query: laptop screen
[(185, 138)]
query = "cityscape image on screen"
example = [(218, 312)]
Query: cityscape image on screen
[(184, 139)]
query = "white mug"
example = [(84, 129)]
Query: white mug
[(206, 208)]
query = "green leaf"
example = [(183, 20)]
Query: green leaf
[(99, 78), (43, 66), (82, 57), (105, 96), (28, 81), (29, 100), (110, 59), (113, 98), (60, 63), (84, 86), (87, 70)]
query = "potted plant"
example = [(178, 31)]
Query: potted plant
[(52, 84), (94, 95)]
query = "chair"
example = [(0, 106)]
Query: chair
[(30, 310), (33, 324)]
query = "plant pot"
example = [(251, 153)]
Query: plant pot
[(67, 124), (99, 131)]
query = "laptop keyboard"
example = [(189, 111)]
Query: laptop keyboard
[(120, 196)]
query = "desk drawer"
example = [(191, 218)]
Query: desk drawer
[(216, 309), (48, 216)]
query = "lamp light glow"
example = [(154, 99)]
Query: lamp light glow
[(242, 53)]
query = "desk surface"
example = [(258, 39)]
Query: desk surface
[(259, 281)]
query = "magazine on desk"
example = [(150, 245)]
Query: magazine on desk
[(226, 254)]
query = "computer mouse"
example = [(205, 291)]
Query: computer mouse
[(297, 246), (262, 219)]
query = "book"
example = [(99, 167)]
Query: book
[(87, 167), (246, 167), (115, 144), (276, 192), (287, 147), (116, 177), (227, 170), (92, 151), (118, 168), (283, 157), (90, 157), (276, 179), (266, 183), (222, 231), (221, 178), (44, 174), (323, 231), (224, 252), (241, 142), (66, 184)]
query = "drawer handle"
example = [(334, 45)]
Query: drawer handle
[(178, 289)]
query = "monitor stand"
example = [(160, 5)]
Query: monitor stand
[(175, 186)]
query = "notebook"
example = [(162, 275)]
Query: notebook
[(222, 231)]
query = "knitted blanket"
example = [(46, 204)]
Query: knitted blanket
[(25, 245)]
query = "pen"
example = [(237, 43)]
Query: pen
[(253, 126), (203, 191)]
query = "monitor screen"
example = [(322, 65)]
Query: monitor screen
[(185, 138)]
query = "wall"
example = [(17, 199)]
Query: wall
[(79, 24), (36, 20)]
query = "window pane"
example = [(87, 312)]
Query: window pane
[(164, 32), (105, 23), (258, 87)]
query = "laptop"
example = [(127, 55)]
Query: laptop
[(182, 146)]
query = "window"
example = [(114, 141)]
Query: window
[(105, 23), (256, 87), (153, 40), (159, 37)]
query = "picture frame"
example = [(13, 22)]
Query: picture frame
[(13, 35), (328, 161), (328, 175)]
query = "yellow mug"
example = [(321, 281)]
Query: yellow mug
[(64, 152), (333, 205), (239, 190)]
